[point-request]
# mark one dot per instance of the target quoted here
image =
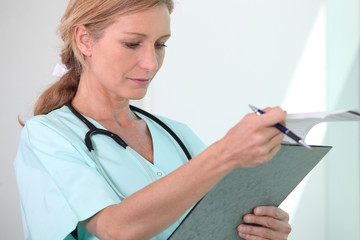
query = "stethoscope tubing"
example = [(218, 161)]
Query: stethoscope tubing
[(94, 130)]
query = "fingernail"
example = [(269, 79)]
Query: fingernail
[(243, 235), (248, 218), (242, 228), (257, 210)]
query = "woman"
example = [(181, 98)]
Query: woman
[(113, 49)]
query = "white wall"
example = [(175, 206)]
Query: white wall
[(343, 34), (28, 53), (223, 55)]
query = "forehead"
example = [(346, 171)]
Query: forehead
[(155, 20)]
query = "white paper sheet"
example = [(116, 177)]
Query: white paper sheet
[(301, 123)]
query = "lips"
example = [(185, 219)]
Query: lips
[(140, 81)]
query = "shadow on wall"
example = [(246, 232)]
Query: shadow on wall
[(343, 172), (337, 176)]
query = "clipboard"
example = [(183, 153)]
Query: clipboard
[(220, 211)]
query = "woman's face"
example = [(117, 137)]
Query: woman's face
[(122, 63)]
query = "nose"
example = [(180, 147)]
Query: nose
[(149, 59)]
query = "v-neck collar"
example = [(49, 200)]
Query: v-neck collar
[(149, 125)]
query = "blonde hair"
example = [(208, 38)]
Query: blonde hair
[(95, 15)]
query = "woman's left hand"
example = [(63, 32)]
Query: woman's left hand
[(274, 224)]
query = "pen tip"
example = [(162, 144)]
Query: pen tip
[(305, 145), (253, 108)]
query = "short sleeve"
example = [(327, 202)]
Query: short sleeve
[(192, 141), (57, 183)]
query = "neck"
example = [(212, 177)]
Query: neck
[(101, 106)]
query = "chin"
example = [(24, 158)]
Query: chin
[(138, 95)]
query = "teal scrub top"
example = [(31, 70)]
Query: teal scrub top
[(60, 184)]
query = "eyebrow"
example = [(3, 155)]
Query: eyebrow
[(144, 35)]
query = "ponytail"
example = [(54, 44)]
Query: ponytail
[(58, 94), (62, 91)]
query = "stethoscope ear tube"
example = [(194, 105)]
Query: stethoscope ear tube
[(163, 125), (94, 131), (88, 142)]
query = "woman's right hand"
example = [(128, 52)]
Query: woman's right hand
[(254, 140)]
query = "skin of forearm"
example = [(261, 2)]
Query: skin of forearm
[(151, 210)]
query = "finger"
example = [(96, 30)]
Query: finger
[(273, 135), (253, 232), (268, 148), (272, 211), (250, 237), (274, 144), (276, 139), (267, 109), (273, 116), (270, 217), (283, 123), (274, 151), (268, 222)]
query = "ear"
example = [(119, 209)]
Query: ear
[(83, 40)]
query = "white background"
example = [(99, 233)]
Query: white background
[(302, 55)]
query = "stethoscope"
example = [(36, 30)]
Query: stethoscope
[(94, 130)]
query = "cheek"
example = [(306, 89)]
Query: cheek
[(116, 61)]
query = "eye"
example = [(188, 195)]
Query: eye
[(160, 46), (131, 45)]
